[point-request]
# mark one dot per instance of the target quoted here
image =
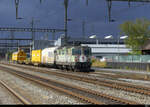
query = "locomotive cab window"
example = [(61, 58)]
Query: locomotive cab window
[(87, 51)]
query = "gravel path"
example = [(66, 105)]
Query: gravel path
[(37, 93), (142, 99)]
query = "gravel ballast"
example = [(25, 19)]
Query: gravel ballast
[(38, 94), (6, 97), (142, 99)]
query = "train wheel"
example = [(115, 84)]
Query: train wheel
[(67, 68), (73, 68), (70, 68), (55, 66), (76, 70), (88, 70), (61, 67)]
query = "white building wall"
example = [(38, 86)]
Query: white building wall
[(107, 49), (102, 49)]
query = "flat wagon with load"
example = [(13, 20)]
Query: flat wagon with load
[(19, 56)]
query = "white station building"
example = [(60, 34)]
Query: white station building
[(108, 49), (100, 47)]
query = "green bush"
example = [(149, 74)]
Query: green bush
[(98, 63)]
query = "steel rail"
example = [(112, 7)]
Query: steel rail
[(81, 97), (117, 75), (122, 86), (122, 101), (17, 95)]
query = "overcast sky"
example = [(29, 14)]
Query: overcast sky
[(50, 14)]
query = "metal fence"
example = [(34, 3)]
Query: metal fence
[(129, 58), (133, 62), (138, 66)]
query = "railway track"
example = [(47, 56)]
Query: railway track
[(22, 99), (117, 85), (86, 95), (126, 76)]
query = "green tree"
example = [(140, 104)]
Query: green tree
[(138, 32)]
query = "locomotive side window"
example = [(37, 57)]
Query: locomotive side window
[(73, 51), (62, 52), (76, 51)]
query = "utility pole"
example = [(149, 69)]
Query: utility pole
[(40, 1), (53, 35), (129, 3), (92, 28), (46, 36), (32, 43), (17, 4), (18, 44), (12, 37), (33, 33), (66, 19), (87, 2), (109, 3), (83, 29)]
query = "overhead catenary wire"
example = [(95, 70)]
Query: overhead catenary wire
[(122, 10)]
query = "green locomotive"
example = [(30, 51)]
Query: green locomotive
[(76, 58)]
